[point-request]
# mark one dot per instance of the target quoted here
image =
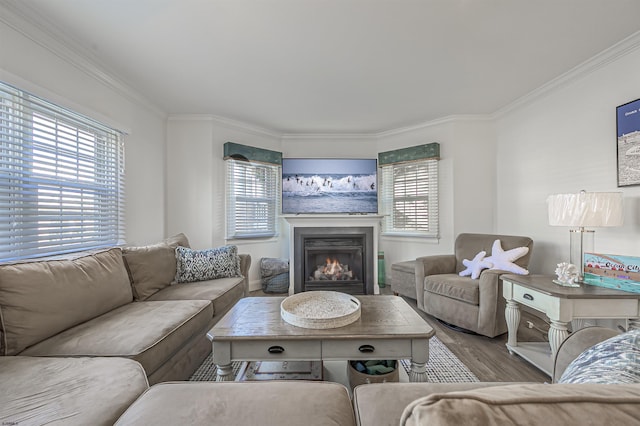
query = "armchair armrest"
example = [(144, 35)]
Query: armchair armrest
[(491, 314), (432, 265), (575, 344)]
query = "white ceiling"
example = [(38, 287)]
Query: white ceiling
[(335, 66)]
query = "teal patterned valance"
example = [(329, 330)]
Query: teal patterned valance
[(413, 153), (251, 153)]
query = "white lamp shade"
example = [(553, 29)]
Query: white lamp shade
[(584, 209)]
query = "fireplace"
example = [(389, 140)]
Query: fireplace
[(338, 259)]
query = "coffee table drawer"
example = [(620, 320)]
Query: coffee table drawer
[(366, 349), (263, 350)]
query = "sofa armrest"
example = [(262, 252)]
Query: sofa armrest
[(245, 264), (575, 344), (432, 265)]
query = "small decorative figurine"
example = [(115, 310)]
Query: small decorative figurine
[(567, 275)]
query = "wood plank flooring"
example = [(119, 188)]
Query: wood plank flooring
[(487, 358)]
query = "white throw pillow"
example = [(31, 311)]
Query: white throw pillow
[(475, 266), (503, 260)]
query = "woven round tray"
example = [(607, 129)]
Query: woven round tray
[(320, 309)]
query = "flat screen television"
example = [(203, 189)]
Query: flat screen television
[(329, 185)]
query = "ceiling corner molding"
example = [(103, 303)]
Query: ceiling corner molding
[(437, 122), (190, 117), (607, 56), (25, 20), (248, 127), (329, 136), (228, 122)]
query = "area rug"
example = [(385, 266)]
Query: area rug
[(443, 366)]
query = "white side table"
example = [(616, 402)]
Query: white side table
[(562, 305)]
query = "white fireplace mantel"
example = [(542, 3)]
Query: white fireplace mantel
[(334, 221)]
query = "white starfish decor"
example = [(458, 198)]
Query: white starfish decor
[(475, 266), (503, 260)]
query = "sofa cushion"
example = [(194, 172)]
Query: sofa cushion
[(613, 361), (67, 391), (153, 267), (209, 264), (42, 298), (370, 412), (523, 404), (223, 292), (148, 332), (242, 404), (454, 287)]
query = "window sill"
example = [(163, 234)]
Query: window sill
[(403, 236)]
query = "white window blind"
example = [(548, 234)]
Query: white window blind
[(61, 179), (409, 198), (253, 199)]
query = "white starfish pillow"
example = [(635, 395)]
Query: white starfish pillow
[(475, 266), (503, 260)]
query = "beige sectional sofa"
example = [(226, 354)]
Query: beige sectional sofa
[(109, 305)]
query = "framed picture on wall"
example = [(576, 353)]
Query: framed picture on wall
[(628, 129)]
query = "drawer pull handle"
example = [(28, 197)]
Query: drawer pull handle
[(276, 349), (527, 296), (366, 349)]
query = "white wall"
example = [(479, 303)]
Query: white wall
[(196, 180), (565, 141), (42, 71), (466, 183)]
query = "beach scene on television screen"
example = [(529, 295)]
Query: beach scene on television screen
[(329, 185)]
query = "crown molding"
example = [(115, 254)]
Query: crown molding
[(437, 122), (607, 56), (353, 136), (29, 22), (228, 122)]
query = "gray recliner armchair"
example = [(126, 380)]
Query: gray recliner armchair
[(476, 305)]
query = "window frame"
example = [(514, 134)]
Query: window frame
[(413, 196), (61, 179), (263, 196)]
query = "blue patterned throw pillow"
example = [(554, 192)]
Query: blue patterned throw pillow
[(202, 265), (613, 361)]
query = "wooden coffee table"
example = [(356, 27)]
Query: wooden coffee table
[(388, 328)]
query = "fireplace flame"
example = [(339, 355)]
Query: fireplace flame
[(333, 267)]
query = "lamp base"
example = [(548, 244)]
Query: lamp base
[(580, 241)]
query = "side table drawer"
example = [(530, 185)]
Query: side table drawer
[(366, 349), (263, 350), (532, 298)]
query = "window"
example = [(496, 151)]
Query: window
[(253, 194), (409, 198), (61, 179)]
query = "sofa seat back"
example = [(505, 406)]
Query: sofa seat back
[(551, 405), (147, 332), (467, 246), (39, 299)]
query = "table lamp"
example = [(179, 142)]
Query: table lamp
[(581, 210)]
